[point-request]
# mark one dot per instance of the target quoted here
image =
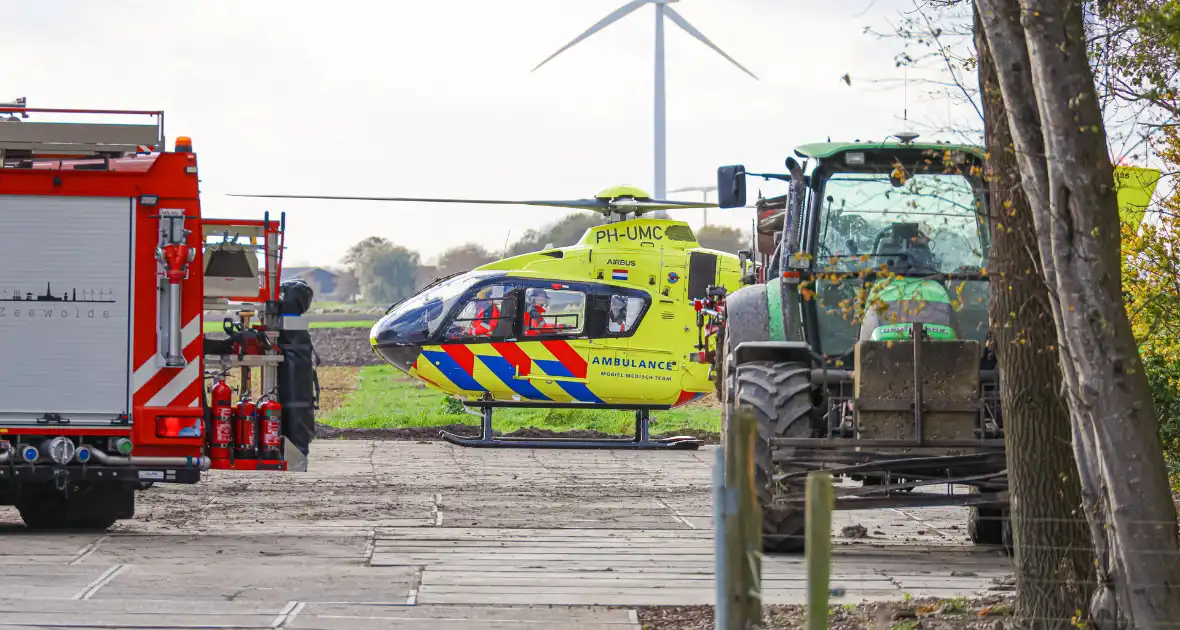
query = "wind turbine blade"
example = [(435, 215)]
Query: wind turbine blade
[(691, 30), (601, 24)]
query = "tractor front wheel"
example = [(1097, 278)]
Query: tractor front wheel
[(989, 525), (780, 395)]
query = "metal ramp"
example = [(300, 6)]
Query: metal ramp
[(22, 140)]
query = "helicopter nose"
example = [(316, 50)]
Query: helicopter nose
[(399, 356)]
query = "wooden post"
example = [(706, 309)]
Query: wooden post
[(722, 507), (821, 498), (743, 548)]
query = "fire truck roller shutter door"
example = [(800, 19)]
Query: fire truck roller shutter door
[(65, 300)]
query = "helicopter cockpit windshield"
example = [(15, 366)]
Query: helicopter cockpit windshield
[(419, 317)]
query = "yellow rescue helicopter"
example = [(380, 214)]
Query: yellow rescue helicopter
[(612, 322)]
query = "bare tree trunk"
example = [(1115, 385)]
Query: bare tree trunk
[(1054, 561), (1045, 77)]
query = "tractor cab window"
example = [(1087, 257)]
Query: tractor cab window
[(487, 315), (929, 223), (553, 312), (917, 222), (622, 314)]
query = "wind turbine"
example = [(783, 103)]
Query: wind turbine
[(662, 9)]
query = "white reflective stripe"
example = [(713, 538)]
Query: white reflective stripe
[(176, 386), (144, 374), (195, 403), (153, 365)]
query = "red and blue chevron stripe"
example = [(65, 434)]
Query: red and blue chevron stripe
[(457, 363), (459, 371), (687, 397)]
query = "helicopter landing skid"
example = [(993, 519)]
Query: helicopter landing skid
[(641, 441)]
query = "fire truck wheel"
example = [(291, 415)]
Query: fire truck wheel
[(92, 507)]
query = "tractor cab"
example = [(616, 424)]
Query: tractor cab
[(862, 348), (886, 235)]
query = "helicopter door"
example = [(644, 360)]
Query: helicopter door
[(702, 273), (552, 337), (640, 365), (474, 340)]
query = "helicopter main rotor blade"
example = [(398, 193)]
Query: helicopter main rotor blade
[(353, 198), (603, 205), (585, 204), (601, 24), (691, 30), (648, 205)]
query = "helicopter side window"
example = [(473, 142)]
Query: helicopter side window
[(623, 314), (553, 312), (488, 315)]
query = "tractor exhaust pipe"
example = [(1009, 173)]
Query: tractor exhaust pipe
[(794, 216)]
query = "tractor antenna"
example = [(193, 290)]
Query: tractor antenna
[(905, 90)]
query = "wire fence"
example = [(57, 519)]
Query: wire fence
[(862, 577)]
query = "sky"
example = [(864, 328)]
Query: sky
[(437, 99)]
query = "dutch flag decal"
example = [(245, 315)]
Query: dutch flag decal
[(618, 274)]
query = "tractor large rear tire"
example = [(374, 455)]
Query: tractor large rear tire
[(781, 397)]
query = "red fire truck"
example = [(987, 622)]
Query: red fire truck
[(108, 383)]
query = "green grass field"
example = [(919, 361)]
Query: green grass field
[(218, 326), (342, 305), (386, 399)]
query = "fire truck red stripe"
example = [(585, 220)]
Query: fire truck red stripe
[(568, 357), (163, 377), (515, 356), (187, 398), (463, 356)]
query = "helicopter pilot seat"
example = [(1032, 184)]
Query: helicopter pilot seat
[(616, 322), (487, 318), (534, 315), (493, 314)]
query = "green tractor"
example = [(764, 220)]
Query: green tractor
[(861, 344)]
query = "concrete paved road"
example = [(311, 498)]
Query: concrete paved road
[(428, 535)]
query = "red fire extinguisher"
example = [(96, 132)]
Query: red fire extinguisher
[(222, 436), (246, 446), (271, 413)]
